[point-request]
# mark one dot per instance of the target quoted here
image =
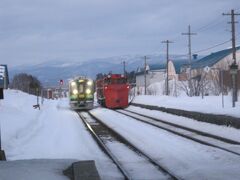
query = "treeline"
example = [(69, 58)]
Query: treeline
[(26, 83)]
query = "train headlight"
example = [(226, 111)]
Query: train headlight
[(75, 91), (89, 83), (88, 91), (73, 83)]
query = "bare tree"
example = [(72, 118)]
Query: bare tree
[(26, 83)]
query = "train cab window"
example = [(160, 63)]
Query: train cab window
[(107, 81), (81, 88), (114, 81), (122, 81), (118, 81)]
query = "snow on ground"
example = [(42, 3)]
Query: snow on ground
[(185, 158), (209, 104), (54, 132), (223, 131)]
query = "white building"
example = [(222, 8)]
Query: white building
[(157, 73)]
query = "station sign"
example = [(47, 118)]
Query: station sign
[(4, 79), (2, 74), (2, 71)]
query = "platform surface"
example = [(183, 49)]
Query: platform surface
[(41, 169)]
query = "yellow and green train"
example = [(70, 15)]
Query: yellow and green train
[(81, 93)]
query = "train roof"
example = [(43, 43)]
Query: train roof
[(80, 77), (115, 76)]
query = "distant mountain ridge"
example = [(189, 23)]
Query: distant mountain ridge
[(49, 73)]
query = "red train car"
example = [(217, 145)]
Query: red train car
[(112, 91)]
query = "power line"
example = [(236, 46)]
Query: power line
[(206, 27), (211, 47), (210, 25)]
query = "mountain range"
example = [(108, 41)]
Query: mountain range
[(50, 72)]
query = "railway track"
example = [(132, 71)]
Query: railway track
[(208, 139), (217, 119), (139, 162)]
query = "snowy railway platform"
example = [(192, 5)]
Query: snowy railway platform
[(52, 169), (44, 142), (50, 137)]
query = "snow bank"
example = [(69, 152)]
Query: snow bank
[(53, 132), (209, 104)]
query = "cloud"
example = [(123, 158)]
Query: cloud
[(38, 30)]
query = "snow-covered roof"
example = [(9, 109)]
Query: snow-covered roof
[(212, 59), (154, 67)]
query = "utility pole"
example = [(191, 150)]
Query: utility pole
[(167, 61), (189, 34), (145, 75), (233, 66), (124, 68)]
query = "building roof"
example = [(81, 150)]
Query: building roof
[(154, 67), (212, 59)]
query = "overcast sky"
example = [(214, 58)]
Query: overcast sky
[(34, 31)]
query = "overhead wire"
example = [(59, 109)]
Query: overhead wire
[(216, 45), (211, 47), (211, 25)]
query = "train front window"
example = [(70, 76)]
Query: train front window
[(81, 88), (118, 81), (107, 81)]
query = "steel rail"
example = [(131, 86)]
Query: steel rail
[(180, 134), (105, 148), (131, 145), (226, 140), (226, 120)]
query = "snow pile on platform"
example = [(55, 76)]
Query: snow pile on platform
[(53, 132)]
